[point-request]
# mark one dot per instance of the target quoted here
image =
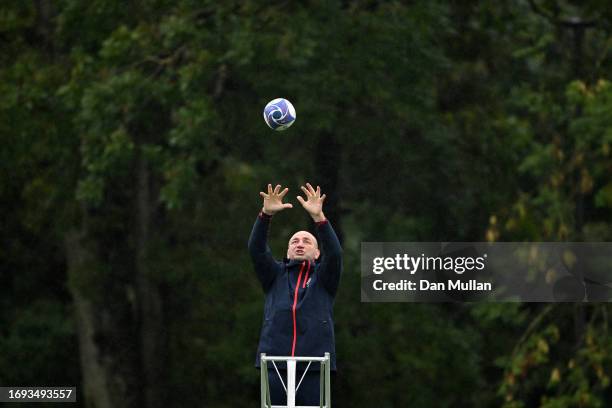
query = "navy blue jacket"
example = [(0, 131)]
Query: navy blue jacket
[(302, 326)]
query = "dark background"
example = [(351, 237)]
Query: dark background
[(133, 151)]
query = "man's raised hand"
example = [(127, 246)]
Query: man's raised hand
[(273, 201), (313, 203)]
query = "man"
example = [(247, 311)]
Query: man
[(299, 291)]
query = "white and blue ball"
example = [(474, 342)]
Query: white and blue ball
[(279, 114)]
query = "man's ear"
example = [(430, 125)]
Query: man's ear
[(317, 254)]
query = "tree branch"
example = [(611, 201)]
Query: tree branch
[(572, 22)]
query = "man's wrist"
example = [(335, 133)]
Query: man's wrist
[(264, 215), (318, 217)]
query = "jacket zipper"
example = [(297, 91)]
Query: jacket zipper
[(295, 299), (306, 278)]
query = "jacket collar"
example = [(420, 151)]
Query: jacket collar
[(293, 262)]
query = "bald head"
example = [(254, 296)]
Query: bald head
[(303, 246)]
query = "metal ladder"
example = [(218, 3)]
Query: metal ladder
[(291, 388)]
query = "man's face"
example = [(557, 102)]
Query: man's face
[(303, 245)]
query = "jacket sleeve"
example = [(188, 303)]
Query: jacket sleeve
[(331, 257), (265, 266)]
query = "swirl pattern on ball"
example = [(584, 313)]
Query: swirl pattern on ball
[(279, 114)]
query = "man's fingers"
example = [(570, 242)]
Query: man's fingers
[(323, 198), (301, 200), (318, 191), (305, 190), (264, 195), (312, 190), (287, 205), (269, 189), (282, 194)]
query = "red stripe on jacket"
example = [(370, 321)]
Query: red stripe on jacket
[(295, 299)]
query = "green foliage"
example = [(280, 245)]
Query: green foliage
[(38, 347), (463, 121), (541, 368)]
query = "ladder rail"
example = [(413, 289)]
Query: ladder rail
[(291, 389)]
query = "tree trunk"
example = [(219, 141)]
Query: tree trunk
[(120, 320), (152, 352), (97, 391)]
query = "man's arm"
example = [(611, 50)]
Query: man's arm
[(266, 267), (331, 257)]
